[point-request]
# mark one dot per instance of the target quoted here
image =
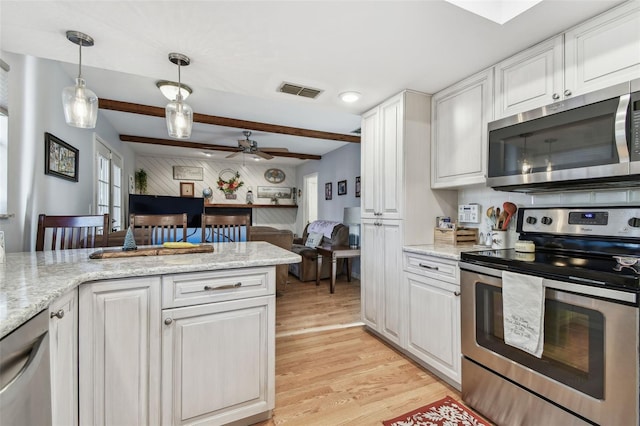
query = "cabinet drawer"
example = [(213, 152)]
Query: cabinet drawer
[(430, 266), (206, 287)]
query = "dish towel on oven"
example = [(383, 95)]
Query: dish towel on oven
[(523, 312)]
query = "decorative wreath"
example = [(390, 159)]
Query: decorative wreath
[(231, 184)]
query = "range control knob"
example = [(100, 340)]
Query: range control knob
[(546, 220), (531, 220), (634, 222)]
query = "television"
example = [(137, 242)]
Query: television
[(164, 204)]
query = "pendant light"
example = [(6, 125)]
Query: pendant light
[(79, 103), (179, 115)]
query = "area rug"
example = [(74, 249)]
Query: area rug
[(445, 412)]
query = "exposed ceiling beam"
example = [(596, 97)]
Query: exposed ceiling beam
[(206, 146), (228, 122)]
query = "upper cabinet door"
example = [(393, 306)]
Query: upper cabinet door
[(530, 79), (603, 51), (460, 115), (370, 140)]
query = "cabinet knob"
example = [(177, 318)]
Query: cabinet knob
[(567, 92), (168, 321), (555, 96), (59, 314)]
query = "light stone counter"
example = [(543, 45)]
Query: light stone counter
[(30, 281), (442, 251)]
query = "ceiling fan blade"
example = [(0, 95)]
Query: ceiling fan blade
[(275, 149), (263, 155), (244, 143), (233, 155)]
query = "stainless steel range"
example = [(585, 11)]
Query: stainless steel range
[(587, 261)]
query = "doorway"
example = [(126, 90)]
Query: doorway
[(310, 205)]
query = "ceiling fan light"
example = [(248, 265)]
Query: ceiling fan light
[(80, 105), (349, 97), (169, 89), (179, 119)]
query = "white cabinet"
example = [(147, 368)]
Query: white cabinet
[(63, 340), (460, 115), (530, 79), (218, 361), (381, 271), (218, 354), (433, 311), (594, 55), (604, 50), (119, 347), (382, 166)]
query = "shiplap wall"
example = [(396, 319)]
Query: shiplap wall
[(160, 182)]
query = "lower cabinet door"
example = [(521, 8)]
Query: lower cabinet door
[(218, 361), (119, 352), (434, 324)]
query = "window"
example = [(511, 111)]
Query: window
[(108, 187), (4, 135)]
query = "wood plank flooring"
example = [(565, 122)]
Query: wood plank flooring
[(344, 376)]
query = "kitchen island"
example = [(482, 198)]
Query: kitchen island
[(176, 339)]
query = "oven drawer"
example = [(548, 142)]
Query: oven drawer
[(432, 266), (216, 286)]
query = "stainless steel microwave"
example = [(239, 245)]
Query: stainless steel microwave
[(590, 141)]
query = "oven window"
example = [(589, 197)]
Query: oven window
[(573, 341)]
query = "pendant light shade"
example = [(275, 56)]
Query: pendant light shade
[(80, 104), (179, 115)]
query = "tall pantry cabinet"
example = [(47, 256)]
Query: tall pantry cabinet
[(398, 205)]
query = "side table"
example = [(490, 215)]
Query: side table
[(335, 252)]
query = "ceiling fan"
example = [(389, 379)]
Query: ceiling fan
[(247, 146)]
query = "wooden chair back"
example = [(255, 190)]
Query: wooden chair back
[(71, 232), (223, 228), (159, 228)]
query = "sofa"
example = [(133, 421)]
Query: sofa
[(306, 270), (278, 237)]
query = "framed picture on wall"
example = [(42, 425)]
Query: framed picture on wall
[(186, 189), (342, 187), (60, 158), (327, 191), (357, 186)]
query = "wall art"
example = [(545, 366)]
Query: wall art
[(61, 159), (187, 173)]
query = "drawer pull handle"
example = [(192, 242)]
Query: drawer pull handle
[(223, 287), (59, 314), (422, 265), (456, 293)]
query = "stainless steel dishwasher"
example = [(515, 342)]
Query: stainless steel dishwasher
[(25, 384)]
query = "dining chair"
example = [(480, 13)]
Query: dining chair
[(71, 232), (226, 228), (159, 228)]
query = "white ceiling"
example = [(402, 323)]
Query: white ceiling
[(241, 51)]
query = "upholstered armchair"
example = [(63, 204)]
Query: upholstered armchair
[(306, 270)]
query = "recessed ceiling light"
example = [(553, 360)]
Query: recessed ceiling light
[(349, 97), (170, 89), (208, 154)]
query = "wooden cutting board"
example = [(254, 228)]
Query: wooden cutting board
[(149, 251)]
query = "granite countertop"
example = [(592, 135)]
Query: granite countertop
[(30, 281), (442, 251)]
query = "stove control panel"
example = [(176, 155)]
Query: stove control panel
[(619, 221)]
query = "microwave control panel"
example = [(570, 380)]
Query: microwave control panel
[(634, 150)]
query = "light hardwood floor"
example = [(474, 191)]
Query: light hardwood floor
[(344, 376)]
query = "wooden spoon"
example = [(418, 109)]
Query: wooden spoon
[(501, 219), (510, 209)]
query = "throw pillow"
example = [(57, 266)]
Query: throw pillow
[(313, 240)]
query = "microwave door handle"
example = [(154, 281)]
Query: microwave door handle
[(620, 129)]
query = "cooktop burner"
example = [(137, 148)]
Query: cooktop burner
[(575, 267)]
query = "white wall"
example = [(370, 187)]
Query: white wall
[(341, 164), (35, 107)]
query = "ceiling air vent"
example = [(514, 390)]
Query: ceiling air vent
[(294, 89)]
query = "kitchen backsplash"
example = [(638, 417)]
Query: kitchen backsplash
[(487, 197)]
